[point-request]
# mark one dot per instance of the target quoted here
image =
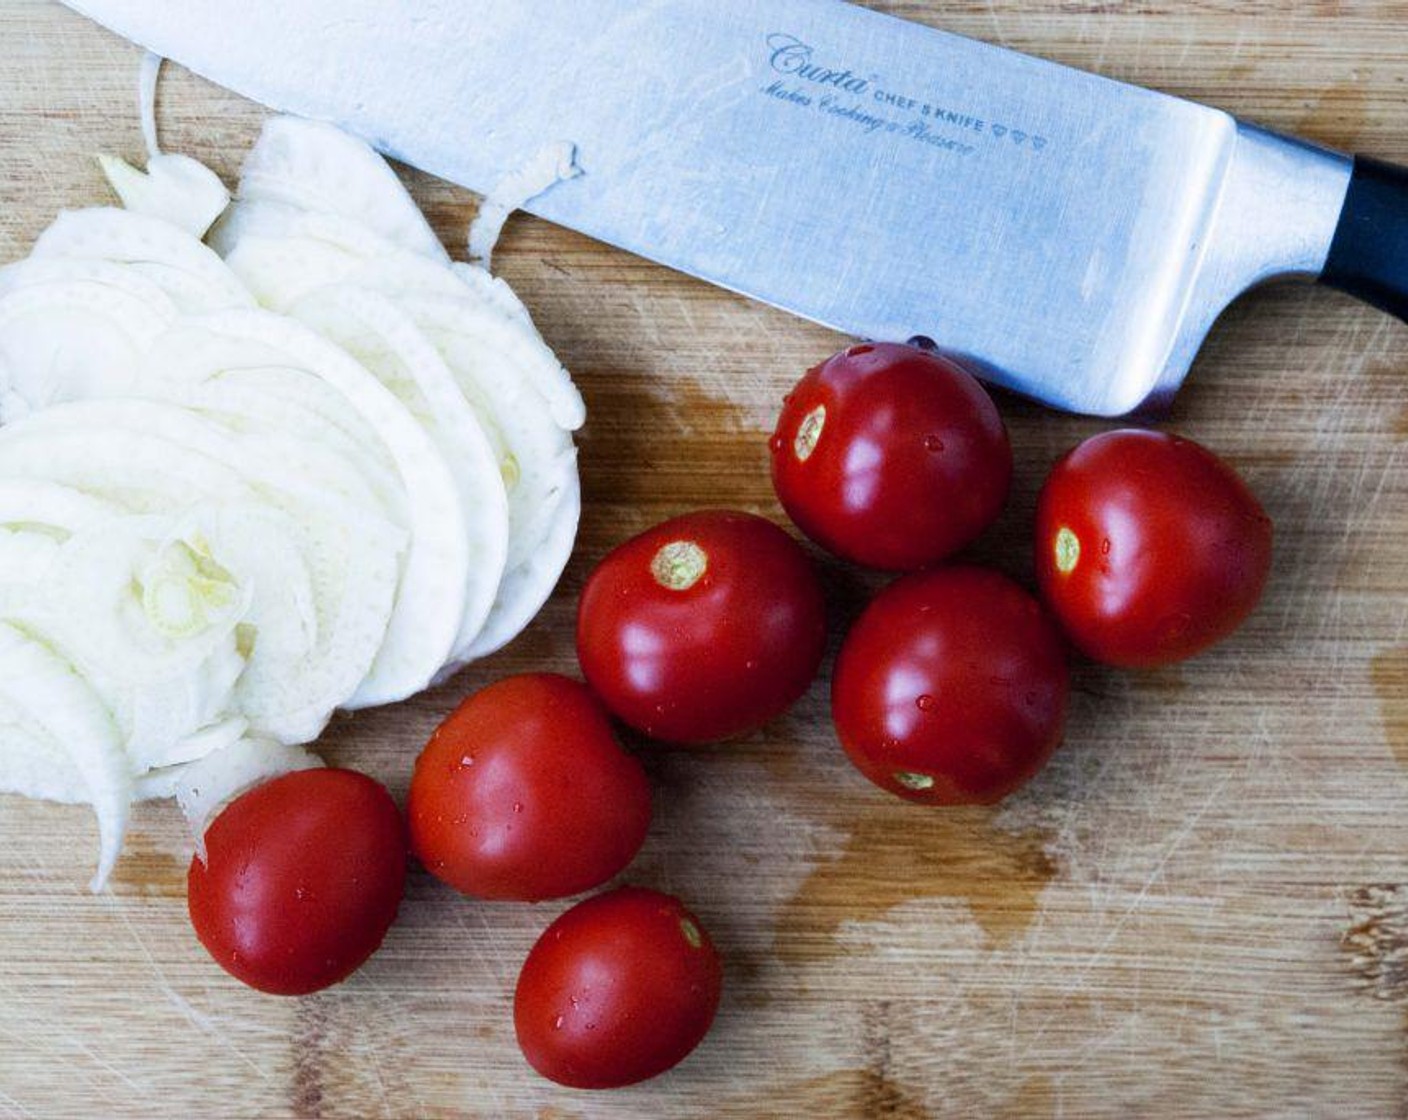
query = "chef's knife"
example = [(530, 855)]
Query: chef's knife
[(1073, 237)]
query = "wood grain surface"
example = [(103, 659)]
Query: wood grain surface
[(1199, 909)]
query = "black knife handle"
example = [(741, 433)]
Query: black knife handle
[(1369, 254)]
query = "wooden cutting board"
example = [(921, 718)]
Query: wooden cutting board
[(1200, 908)]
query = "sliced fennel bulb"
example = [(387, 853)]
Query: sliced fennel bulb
[(175, 188), (322, 570), (287, 250), (47, 708), (62, 340), (237, 494), (151, 247), (430, 598), (319, 168), (388, 344)]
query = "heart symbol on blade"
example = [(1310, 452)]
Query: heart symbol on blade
[(1038, 142), (999, 130), (1019, 137)]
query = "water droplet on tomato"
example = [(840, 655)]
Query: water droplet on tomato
[(922, 342), (467, 760), (775, 444), (857, 351), (1105, 547), (934, 444), (557, 1023), (518, 806), (926, 703), (750, 664)]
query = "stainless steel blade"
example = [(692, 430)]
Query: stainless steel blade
[(1073, 236)]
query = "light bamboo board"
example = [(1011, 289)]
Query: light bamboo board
[(1201, 908)]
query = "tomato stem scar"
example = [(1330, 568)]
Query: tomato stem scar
[(808, 432), (1067, 550), (910, 780), (691, 933), (679, 565)]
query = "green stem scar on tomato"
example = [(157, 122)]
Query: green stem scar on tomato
[(951, 687), (1185, 548), (704, 627), (914, 462), (1067, 549), (620, 988), (809, 432), (679, 565)]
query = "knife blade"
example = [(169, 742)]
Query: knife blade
[(1072, 237)]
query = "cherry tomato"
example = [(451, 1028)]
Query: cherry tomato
[(951, 687), (1149, 548), (890, 457), (302, 879), (706, 626), (620, 988), (523, 793)]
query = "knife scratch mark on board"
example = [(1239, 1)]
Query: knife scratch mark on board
[(1036, 1098), (204, 1023), (1339, 116), (12, 1107), (1136, 903)]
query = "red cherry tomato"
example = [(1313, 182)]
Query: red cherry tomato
[(302, 879), (706, 626), (890, 457), (523, 793), (1149, 548), (951, 687), (620, 988)]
